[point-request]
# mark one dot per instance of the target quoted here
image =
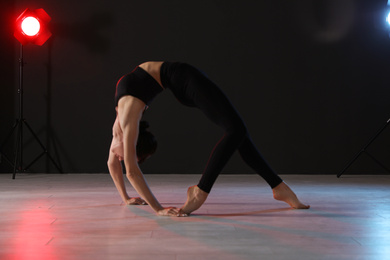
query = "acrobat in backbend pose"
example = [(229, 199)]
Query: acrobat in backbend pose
[(192, 88)]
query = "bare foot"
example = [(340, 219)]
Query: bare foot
[(284, 193), (195, 198)]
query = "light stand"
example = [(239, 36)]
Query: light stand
[(363, 150), (18, 163), (39, 36)]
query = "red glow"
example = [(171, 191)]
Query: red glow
[(31, 27), (33, 234)]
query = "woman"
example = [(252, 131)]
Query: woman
[(192, 88)]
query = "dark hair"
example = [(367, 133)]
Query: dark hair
[(146, 144)]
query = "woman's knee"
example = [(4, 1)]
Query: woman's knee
[(237, 132)]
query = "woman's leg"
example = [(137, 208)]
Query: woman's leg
[(217, 107), (280, 190), (222, 152), (255, 160), (235, 132)]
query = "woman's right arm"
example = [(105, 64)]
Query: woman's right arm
[(130, 112)]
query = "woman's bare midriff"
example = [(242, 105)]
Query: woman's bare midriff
[(153, 68)]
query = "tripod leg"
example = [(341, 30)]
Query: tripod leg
[(51, 159), (54, 163), (18, 145), (365, 147), (43, 148), (14, 127), (350, 163), (36, 159), (10, 133), (378, 162), (5, 157)]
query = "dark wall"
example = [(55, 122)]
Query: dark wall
[(8, 77), (310, 78)]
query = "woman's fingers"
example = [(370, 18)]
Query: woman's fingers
[(173, 211), (181, 213), (169, 211)]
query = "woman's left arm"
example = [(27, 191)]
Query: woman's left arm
[(115, 170)]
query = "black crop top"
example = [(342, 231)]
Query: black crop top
[(139, 84)]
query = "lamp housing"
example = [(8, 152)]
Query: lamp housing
[(31, 27)]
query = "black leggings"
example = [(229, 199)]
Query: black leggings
[(193, 88)]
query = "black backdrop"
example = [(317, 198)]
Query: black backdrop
[(309, 77)]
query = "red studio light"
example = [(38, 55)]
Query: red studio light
[(31, 27)]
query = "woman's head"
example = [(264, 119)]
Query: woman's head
[(146, 144)]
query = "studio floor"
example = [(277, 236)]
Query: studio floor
[(80, 216)]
